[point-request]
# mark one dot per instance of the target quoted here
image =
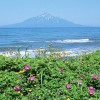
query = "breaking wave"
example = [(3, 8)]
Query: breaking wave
[(73, 41), (61, 41)]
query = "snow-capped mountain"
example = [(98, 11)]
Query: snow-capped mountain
[(46, 16), (45, 20)]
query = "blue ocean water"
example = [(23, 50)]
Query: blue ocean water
[(87, 38)]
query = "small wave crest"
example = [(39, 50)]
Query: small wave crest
[(28, 41), (61, 41), (73, 41)]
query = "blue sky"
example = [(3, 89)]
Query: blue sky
[(85, 12)]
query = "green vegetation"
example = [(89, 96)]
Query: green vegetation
[(49, 78)]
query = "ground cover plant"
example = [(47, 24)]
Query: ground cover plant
[(50, 78)]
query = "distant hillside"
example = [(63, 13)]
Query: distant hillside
[(44, 20)]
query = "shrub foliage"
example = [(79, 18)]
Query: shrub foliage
[(49, 78)]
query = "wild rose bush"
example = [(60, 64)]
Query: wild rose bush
[(48, 78)]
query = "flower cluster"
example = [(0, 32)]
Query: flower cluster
[(31, 78), (90, 88)]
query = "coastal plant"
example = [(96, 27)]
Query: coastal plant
[(50, 78)]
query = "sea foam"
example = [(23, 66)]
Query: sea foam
[(73, 41), (62, 41)]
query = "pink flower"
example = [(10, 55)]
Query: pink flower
[(61, 69), (17, 88), (91, 92), (27, 67), (31, 78), (90, 88), (79, 83), (68, 86), (95, 77)]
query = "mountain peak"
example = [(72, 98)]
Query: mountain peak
[(46, 15)]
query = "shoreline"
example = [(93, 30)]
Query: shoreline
[(42, 51)]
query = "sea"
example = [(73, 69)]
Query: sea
[(72, 39)]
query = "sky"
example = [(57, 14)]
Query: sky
[(84, 12)]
